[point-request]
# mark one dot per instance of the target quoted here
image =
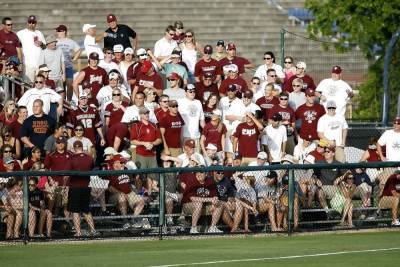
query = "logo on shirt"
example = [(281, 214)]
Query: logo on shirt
[(192, 110), (334, 125), (249, 132), (95, 79), (310, 116)]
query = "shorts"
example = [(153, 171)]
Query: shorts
[(188, 208), (69, 73), (386, 202), (78, 200), (146, 163), (132, 198), (329, 191)]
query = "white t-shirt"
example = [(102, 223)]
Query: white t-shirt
[(252, 108), (332, 126), (109, 66), (123, 66), (261, 72), (192, 113), (29, 49), (189, 56), (91, 46), (151, 107), (391, 140), (47, 95), (175, 94), (131, 114), (164, 48), (104, 97), (296, 100), (87, 144), (300, 152), (231, 107), (336, 91), (274, 138), (185, 159)]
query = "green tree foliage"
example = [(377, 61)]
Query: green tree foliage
[(370, 24)]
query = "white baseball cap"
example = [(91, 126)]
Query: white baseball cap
[(87, 27), (141, 53), (128, 51), (109, 151), (211, 146), (262, 155), (217, 112), (118, 48)]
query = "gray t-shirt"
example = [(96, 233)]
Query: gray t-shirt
[(328, 176), (53, 59), (174, 94), (68, 47), (296, 100), (50, 144)]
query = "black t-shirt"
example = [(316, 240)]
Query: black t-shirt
[(121, 36), (225, 189), (328, 176), (35, 197), (37, 129)]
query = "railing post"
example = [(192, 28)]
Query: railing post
[(291, 201), (25, 209), (6, 86), (282, 43), (161, 217)]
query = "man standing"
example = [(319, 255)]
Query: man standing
[(206, 87), (220, 52), (31, 41), (134, 69), (10, 45), (267, 101), (274, 139), (308, 82), (119, 34), (164, 47), (231, 58), (207, 65), (390, 139), (335, 89)]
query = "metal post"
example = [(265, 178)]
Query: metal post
[(291, 201), (398, 106), (161, 217), (26, 209), (282, 43), (12, 90), (6, 86)]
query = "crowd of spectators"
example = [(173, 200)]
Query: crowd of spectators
[(180, 104)]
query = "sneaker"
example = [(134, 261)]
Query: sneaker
[(183, 222), (173, 196), (170, 221), (146, 224), (95, 234), (214, 230), (396, 223), (193, 230), (126, 226)]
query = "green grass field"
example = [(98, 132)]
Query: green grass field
[(357, 249)]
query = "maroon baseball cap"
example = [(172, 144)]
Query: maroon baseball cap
[(208, 75), (86, 85), (78, 143), (32, 19), (111, 18), (231, 46), (190, 143), (61, 28), (232, 87), (208, 50), (396, 120), (61, 139), (310, 92), (174, 76), (337, 69), (118, 157), (94, 56), (146, 66)]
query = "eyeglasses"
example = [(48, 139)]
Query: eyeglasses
[(78, 129), (188, 35), (38, 82), (190, 91), (171, 80), (268, 58), (331, 108), (288, 62), (296, 85), (175, 106), (283, 98), (116, 94), (7, 151), (10, 24)]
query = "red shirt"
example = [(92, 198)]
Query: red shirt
[(212, 135), (81, 162), (203, 92), (202, 67), (308, 83), (390, 185), (145, 133), (248, 139), (196, 189), (17, 167), (119, 130), (373, 155), (16, 130), (266, 105), (309, 116), (240, 83), (56, 161), (50, 84), (97, 78), (317, 156), (160, 113), (90, 119), (9, 42), (6, 120), (207, 113), (121, 183), (238, 61), (133, 71), (154, 80), (114, 113), (286, 113), (28, 165), (173, 128)]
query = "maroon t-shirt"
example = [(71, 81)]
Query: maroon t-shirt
[(16, 130), (28, 165), (51, 84), (90, 119), (248, 139), (308, 83), (241, 85), (81, 162), (309, 116), (317, 156), (202, 67), (207, 113), (212, 135), (56, 161), (203, 92), (373, 155), (97, 78), (114, 113), (133, 71), (238, 61), (154, 80), (145, 133), (121, 183), (173, 128), (286, 113), (9, 42), (119, 130), (160, 113), (266, 105), (6, 120), (390, 185), (195, 189)]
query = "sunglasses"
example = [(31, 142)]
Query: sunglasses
[(188, 35), (116, 94), (180, 28), (256, 83), (10, 24), (109, 53), (7, 151), (171, 80), (41, 82), (268, 58), (296, 85), (331, 108), (78, 129), (328, 151), (190, 91), (288, 62), (283, 98), (272, 75), (175, 106)]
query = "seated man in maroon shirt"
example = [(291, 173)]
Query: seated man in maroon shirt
[(79, 191), (245, 138), (233, 78), (391, 195), (206, 87), (199, 190)]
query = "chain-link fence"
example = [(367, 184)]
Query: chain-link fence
[(193, 201)]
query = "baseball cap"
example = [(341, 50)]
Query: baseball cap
[(172, 103), (272, 175), (217, 112), (109, 151), (143, 110), (86, 27), (237, 155), (190, 87), (331, 104), (288, 158), (310, 92), (141, 52), (211, 146), (190, 143), (396, 120), (83, 95), (221, 42), (44, 67), (111, 18), (233, 68), (176, 53), (32, 19), (128, 51), (301, 65), (61, 28), (174, 76), (208, 49), (78, 143), (118, 157), (277, 117), (8, 160), (118, 48), (331, 148), (337, 69), (94, 56), (208, 75), (125, 155), (232, 87), (146, 66), (323, 143), (113, 76), (262, 155), (231, 46), (248, 94), (61, 139), (50, 39)]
